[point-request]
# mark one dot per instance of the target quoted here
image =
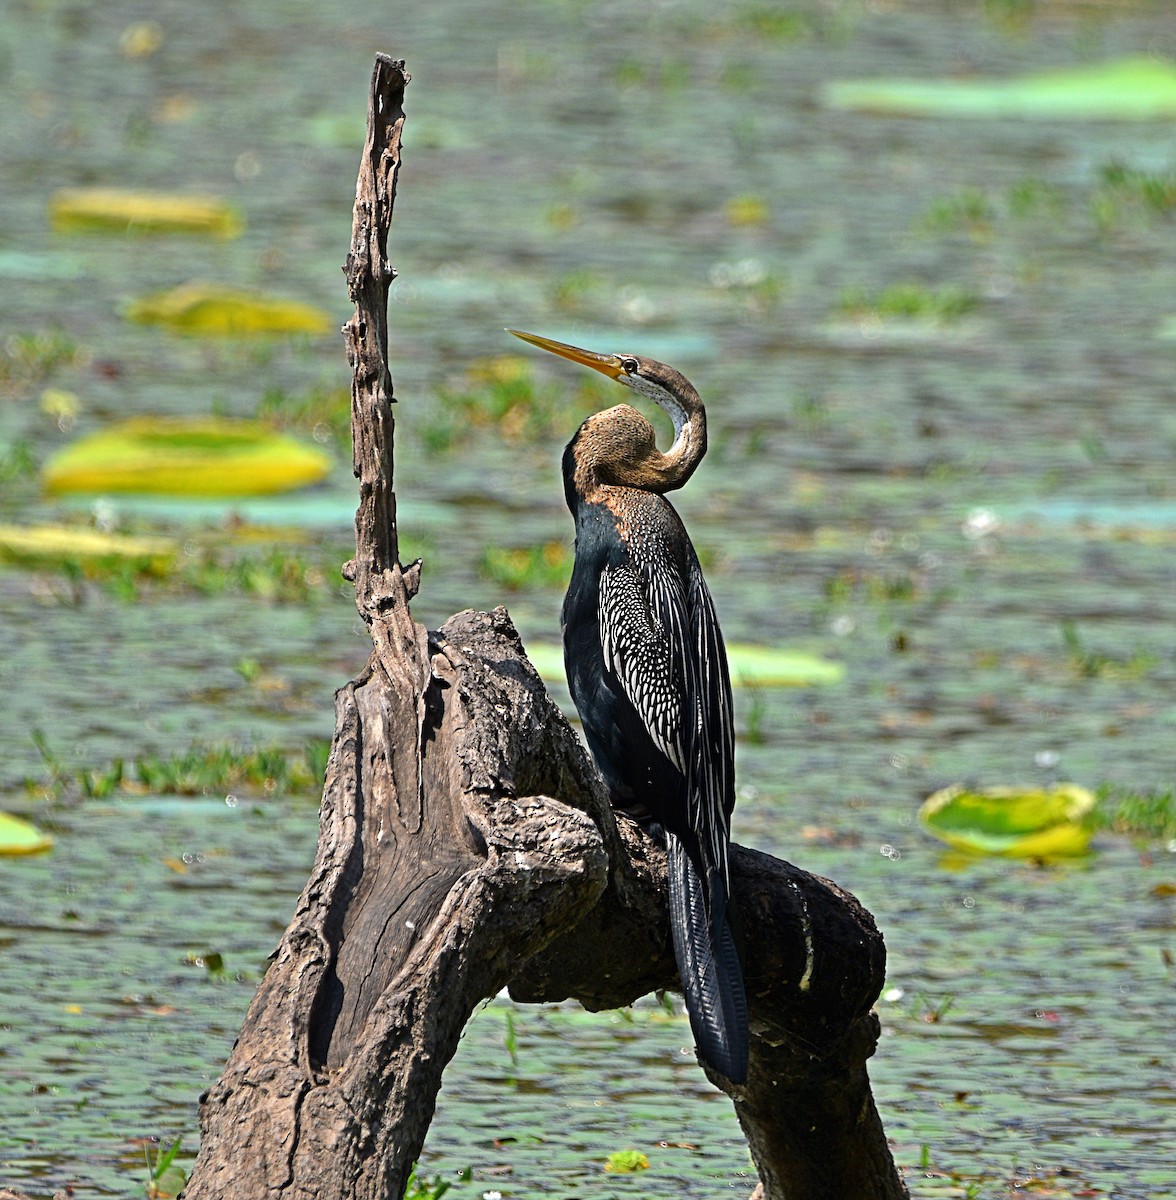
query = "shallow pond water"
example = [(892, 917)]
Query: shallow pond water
[(975, 512)]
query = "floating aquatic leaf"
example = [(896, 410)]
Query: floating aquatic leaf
[(1014, 822), (626, 1161), (34, 545), (1126, 89), (113, 210), (771, 666), (179, 457), (212, 310), (18, 836), (751, 666)]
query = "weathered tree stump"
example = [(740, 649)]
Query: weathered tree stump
[(466, 845)]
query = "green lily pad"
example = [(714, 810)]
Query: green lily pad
[(210, 310), (1132, 89), (18, 836), (36, 545), (113, 210), (624, 1162), (180, 457), (771, 666), (751, 666), (1013, 822)]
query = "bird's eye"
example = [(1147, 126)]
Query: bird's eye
[(629, 366)]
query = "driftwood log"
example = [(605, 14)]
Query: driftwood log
[(466, 846)]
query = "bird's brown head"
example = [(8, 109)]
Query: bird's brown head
[(600, 439)]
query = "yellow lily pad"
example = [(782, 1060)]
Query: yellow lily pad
[(113, 210), (1013, 822), (36, 545), (179, 457), (211, 310), (18, 836), (751, 666), (1126, 89)]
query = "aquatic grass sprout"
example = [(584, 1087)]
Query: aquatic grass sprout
[(165, 1177), (200, 770), (909, 301), (521, 567), (31, 358), (323, 411), (1124, 191), (502, 395), (1149, 815)]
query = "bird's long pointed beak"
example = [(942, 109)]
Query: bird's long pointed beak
[(606, 364)]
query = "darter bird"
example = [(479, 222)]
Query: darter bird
[(648, 673)]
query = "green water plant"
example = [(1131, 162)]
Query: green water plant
[(910, 302), (165, 1177), (1093, 664), (1150, 815), (503, 395), (206, 769), (1123, 190), (1012, 822), (1123, 89), (17, 461), (971, 210), (750, 665), (626, 1162), (27, 359), (323, 411), (199, 770), (510, 1039), (420, 1188), (521, 567)]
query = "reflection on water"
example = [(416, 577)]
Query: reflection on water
[(969, 505)]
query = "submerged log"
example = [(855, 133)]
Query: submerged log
[(465, 846)]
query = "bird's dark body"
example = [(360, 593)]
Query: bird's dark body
[(648, 674), (636, 536)]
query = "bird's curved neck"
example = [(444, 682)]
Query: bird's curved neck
[(678, 463), (619, 447)]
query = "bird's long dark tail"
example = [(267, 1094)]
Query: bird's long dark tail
[(708, 961)]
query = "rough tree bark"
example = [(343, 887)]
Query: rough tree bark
[(465, 845)]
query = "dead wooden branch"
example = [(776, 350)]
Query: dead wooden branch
[(465, 845)]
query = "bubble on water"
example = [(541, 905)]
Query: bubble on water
[(980, 523), (879, 541), (842, 626), (105, 515), (231, 800), (1046, 759)]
